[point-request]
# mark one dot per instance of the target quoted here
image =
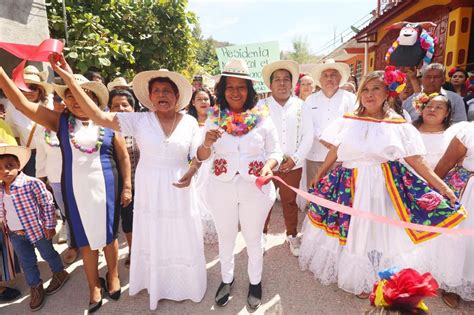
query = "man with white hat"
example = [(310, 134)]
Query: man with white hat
[(326, 105), (119, 83), (295, 132)]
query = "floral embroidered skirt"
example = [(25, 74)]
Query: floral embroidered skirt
[(350, 251)]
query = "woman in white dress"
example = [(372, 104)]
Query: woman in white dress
[(350, 251), (168, 251), (201, 100), (460, 178), (435, 118), (242, 143)]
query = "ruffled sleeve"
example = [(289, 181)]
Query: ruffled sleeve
[(464, 131), (411, 140), (130, 123), (332, 134)]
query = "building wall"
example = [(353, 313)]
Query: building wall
[(21, 22), (356, 63)]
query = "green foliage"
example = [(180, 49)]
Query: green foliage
[(300, 53), (123, 37)]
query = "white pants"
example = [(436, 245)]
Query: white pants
[(234, 202)]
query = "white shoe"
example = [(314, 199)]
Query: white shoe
[(295, 243), (62, 234)]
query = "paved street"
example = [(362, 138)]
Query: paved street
[(287, 290)]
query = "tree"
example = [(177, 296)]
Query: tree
[(300, 53), (125, 36)]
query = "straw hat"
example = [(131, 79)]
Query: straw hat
[(237, 68), (119, 81), (342, 68), (95, 87), (140, 87), (32, 75), (22, 153), (289, 65)]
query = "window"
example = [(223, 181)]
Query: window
[(358, 70)]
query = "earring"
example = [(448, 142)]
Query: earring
[(385, 106)]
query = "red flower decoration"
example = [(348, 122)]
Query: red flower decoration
[(407, 288), (429, 201), (255, 168), (220, 167)]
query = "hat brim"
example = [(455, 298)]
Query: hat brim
[(240, 76), (140, 87), (95, 87), (22, 153), (289, 65), (113, 85), (340, 67), (48, 88)]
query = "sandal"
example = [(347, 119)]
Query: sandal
[(451, 299), (363, 295)]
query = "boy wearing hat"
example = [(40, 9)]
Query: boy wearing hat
[(27, 210), (295, 133)]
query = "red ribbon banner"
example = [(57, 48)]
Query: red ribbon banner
[(31, 53), (260, 181)]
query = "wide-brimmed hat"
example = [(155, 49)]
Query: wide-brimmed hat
[(119, 81), (237, 68), (32, 75), (22, 153), (289, 65), (342, 68), (140, 87), (95, 87)]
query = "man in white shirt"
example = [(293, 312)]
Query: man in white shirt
[(432, 80), (295, 133), (325, 106)]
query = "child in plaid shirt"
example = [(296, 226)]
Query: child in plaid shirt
[(27, 210)]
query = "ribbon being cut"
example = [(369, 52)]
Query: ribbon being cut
[(31, 53), (412, 228)]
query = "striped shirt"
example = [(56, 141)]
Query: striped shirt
[(34, 206)]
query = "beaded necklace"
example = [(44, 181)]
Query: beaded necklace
[(237, 124), (100, 139), (47, 139)]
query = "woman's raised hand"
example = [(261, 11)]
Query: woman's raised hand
[(211, 137), (60, 66)]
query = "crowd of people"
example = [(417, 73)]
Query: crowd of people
[(176, 164)]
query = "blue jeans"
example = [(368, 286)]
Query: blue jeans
[(27, 256)]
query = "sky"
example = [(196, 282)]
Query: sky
[(252, 21)]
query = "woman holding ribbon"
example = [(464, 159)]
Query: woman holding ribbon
[(460, 178), (242, 143), (168, 252), (90, 155), (350, 251)]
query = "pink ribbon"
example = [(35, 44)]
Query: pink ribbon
[(260, 181), (31, 53)]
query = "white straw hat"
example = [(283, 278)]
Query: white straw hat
[(140, 87), (22, 153), (119, 81), (342, 68), (95, 87), (289, 65), (237, 68), (32, 75)]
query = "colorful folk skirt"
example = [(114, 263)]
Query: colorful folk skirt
[(413, 199)]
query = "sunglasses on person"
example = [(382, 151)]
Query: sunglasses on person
[(32, 87)]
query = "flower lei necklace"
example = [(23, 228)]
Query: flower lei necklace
[(100, 139), (237, 124), (47, 139)]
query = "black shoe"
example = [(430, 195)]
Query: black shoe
[(9, 294), (114, 295), (94, 307), (254, 298), (223, 293)]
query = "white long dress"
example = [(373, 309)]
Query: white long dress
[(168, 252), (202, 179), (465, 134), (370, 246)]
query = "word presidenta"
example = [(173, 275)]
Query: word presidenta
[(245, 53)]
